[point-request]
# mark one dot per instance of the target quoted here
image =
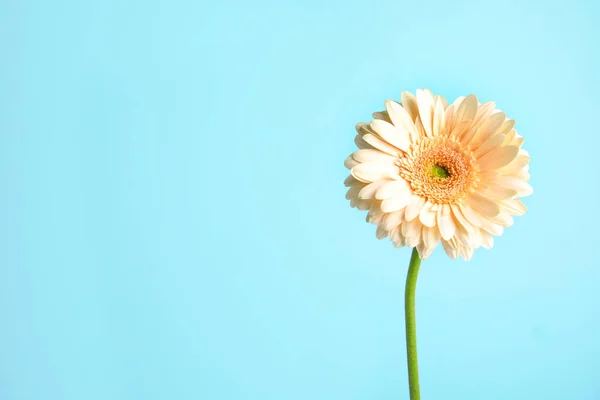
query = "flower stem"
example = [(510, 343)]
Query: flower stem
[(411, 325)]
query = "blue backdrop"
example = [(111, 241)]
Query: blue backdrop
[(173, 222)]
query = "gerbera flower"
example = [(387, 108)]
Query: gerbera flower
[(430, 173)]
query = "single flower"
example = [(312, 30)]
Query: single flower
[(429, 172)]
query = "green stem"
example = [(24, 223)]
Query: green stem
[(411, 325)]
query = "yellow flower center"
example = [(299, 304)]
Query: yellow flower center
[(440, 170)]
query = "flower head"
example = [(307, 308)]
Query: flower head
[(429, 172)]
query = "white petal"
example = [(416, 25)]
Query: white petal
[(414, 207), (445, 222), (482, 205), (401, 119), (427, 216), (391, 134), (409, 102), (352, 193), (395, 188), (368, 192), (498, 158), (425, 103), (373, 171)]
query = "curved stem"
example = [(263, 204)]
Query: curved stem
[(411, 325)]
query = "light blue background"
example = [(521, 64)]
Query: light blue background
[(173, 222)]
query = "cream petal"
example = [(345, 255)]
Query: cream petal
[(506, 127), (380, 233), (498, 158), (468, 135), (363, 204), (491, 227), (401, 119), (425, 103), (380, 144), (393, 219), (457, 102), (517, 164), (445, 222), (383, 115), (373, 171), (442, 100), (350, 162), (438, 118), (503, 219), (482, 205), (360, 142), (350, 180), (487, 146), (490, 127), (484, 111), (352, 193), (396, 237), (431, 236), (363, 128), (474, 218), (424, 251), (395, 188), (466, 252), (466, 112), (514, 206), (412, 229), (375, 215), (462, 220), (450, 248), (414, 207), (393, 204), (519, 186), (427, 216), (496, 192), (368, 192), (391, 134), (487, 240), (366, 155), (449, 115), (409, 102)]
